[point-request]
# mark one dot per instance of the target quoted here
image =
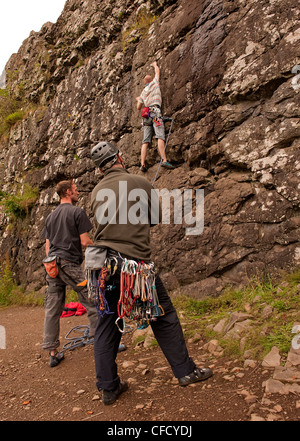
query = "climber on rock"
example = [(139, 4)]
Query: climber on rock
[(150, 100)]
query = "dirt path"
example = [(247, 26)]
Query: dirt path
[(32, 391)]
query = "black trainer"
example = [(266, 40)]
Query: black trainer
[(110, 396), (56, 359), (198, 374), (143, 169)]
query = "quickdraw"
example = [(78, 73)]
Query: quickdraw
[(138, 296), (127, 297)]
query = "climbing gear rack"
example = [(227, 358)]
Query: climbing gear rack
[(138, 296), (138, 299)]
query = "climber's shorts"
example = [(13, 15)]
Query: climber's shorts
[(151, 127)]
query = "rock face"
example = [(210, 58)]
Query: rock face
[(227, 80)]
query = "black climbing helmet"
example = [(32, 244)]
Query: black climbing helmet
[(104, 153)]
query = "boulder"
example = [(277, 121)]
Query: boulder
[(272, 359)]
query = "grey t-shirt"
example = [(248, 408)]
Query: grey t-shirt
[(63, 228)]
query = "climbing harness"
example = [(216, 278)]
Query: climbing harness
[(157, 121), (165, 119)]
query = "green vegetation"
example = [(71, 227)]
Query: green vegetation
[(19, 205), (14, 117), (282, 299), (7, 285), (139, 29), (10, 109), (13, 294), (10, 292)]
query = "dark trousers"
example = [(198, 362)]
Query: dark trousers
[(167, 331)]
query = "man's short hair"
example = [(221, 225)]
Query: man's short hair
[(63, 186)]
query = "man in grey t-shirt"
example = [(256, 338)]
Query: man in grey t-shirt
[(66, 232)]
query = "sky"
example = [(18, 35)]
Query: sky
[(19, 18)]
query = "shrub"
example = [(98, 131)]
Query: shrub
[(7, 284), (139, 29), (10, 111), (19, 205), (14, 117), (10, 292)]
